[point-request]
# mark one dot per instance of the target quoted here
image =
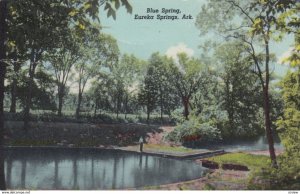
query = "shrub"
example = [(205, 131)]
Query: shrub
[(195, 132)]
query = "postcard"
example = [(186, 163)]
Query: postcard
[(149, 95)]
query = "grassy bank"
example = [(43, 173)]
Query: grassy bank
[(253, 162), (75, 134)]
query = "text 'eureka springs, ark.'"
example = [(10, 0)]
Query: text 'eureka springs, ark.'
[(163, 14)]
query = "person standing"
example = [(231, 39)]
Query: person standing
[(141, 141)]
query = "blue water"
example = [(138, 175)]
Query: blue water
[(258, 144), (92, 169)]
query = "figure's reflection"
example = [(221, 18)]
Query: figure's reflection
[(146, 164), (140, 161)]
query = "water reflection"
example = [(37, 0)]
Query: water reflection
[(88, 169), (2, 174), (259, 144)]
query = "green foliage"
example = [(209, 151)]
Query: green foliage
[(195, 131), (186, 75), (42, 91), (176, 115), (148, 91), (241, 94), (287, 176), (156, 89), (289, 132)]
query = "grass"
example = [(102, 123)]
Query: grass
[(253, 162), (164, 148)]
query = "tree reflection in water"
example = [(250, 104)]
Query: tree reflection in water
[(2, 172), (101, 169)]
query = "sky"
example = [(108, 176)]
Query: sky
[(144, 37)]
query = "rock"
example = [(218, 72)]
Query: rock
[(234, 167), (210, 164)]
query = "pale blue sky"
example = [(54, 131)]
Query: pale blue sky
[(143, 37)]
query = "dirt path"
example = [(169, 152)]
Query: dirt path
[(216, 180), (158, 138), (265, 152)]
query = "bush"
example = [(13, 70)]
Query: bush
[(195, 132), (176, 116), (285, 177)]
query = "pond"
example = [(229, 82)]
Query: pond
[(86, 169), (258, 144)]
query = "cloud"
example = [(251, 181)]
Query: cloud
[(180, 48)]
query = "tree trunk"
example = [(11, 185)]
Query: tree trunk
[(13, 100), (60, 99), (161, 107), (148, 116), (267, 108), (229, 105), (60, 104), (78, 105), (95, 110), (3, 30), (185, 101), (13, 90), (126, 104), (29, 96), (269, 133), (118, 106)]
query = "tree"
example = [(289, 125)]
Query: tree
[(289, 131), (163, 83), (62, 61), (34, 20), (186, 77), (127, 73), (99, 92), (79, 12), (14, 84), (98, 51), (3, 31), (148, 91), (241, 92), (42, 90), (255, 27)]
